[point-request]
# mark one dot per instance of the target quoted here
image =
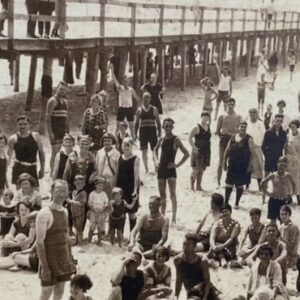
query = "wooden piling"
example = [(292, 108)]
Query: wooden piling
[(161, 63), (205, 58), (234, 58), (123, 53), (31, 82), (144, 54), (183, 49), (241, 54), (249, 54), (283, 50), (103, 67), (17, 73), (136, 70)]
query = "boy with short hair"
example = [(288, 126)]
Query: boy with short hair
[(98, 205), (77, 206), (289, 233), (283, 187)]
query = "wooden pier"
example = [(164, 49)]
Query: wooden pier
[(97, 26)]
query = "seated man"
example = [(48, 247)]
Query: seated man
[(210, 218), (153, 229), (192, 271)]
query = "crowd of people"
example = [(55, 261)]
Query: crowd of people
[(96, 180)]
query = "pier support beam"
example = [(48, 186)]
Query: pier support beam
[(241, 54), (92, 69), (233, 59), (16, 73), (144, 54), (31, 82), (161, 64), (205, 58), (183, 50), (46, 77), (283, 50), (103, 70), (249, 55), (136, 70)]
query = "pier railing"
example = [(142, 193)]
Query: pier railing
[(79, 19)]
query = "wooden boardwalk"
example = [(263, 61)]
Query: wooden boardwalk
[(98, 26)]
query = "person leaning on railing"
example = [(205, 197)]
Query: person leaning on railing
[(45, 8)]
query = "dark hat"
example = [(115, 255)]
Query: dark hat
[(281, 102), (98, 180)]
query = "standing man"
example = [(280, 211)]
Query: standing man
[(166, 166), (148, 124), (192, 271), (107, 160), (281, 105), (53, 244), (256, 130), (274, 143), (125, 109), (57, 119), (26, 145), (227, 126), (153, 229), (156, 91), (224, 89)]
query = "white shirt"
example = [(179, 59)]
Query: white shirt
[(224, 84), (102, 164), (125, 96), (98, 201), (257, 131)]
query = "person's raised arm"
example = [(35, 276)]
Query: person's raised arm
[(157, 120), (116, 82), (202, 222), (41, 155), (185, 152), (293, 184), (42, 222), (230, 87), (244, 239), (218, 68), (135, 231), (49, 111), (213, 236), (137, 121), (136, 97), (178, 282), (136, 175)]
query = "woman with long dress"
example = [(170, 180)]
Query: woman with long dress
[(293, 155)]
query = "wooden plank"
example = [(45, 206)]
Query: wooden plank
[(31, 82), (17, 73), (102, 18), (161, 20), (11, 16), (183, 48)]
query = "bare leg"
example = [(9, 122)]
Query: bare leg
[(172, 189), (120, 237), (46, 292), (145, 159), (194, 176), (59, 289), (217, 110), (22, 260), (117, 128), (54, 150), (6, 263), (112, 236), (162, 185), (225, 105), (131, 128), (199, 180)]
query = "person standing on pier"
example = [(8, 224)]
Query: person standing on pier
[(32, 9), (57, 119)]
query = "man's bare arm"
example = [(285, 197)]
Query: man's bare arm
[(136, 229), (185, 152), (11, 143), (165, 233)]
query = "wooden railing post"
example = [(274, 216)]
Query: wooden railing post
[(232, 20), (218, 20), (102, 18), (244, 20), (182, 20), (161, 20), (62, 17), (292, 21), (256, 20), (283, 22), (201, 20), (275, 20), (11, 23), (133, 21)]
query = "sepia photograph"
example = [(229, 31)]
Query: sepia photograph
[(149, 149)]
